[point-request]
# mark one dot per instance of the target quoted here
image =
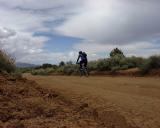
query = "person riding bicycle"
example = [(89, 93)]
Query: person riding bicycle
[(83, 60)]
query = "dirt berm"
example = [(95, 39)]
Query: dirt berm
[(24, 104)]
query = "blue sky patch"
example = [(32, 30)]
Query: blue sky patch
[(57, 43)]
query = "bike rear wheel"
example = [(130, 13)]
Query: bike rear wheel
[(84, 72)]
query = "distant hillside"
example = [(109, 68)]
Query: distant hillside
[(25, 65)]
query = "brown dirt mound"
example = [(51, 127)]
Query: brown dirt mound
[(128, 72), (154, 72), (24, 104)]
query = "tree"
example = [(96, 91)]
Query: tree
[(46, 65), (54, 66), (62, 63), (69, 63), (117, 59), (116, 52)]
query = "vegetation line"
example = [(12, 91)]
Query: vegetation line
[(116, 62)]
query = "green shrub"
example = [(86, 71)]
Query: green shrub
[(152, 62), (17, 74), (124, 67), (70, 69), (92, 65), (103, 65), (42, 71), (116, 60), (133, 61), (155, 62), (60, 69), (6, 63), (44, 66), (115, 68), (24, 70), (146, 66), (39, 72)]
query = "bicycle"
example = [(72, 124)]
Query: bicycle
[(83, 71)]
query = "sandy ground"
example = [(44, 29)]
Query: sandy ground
[(25, 104), (136, 99)]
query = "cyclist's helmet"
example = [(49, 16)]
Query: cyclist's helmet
[(80, 52)]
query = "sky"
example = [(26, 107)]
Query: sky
[(50, 31)]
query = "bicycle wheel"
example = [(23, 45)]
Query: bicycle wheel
[(81, 72), (85, 72)]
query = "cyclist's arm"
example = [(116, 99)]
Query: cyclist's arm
[(78, 59)]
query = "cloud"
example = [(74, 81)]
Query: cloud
[(102, 25), (21, 19), (5, 33), (30, 15), (38, 58), (20, 45), (136, 48), (55, 57), (40, 4), (115, 21), (25, 47)]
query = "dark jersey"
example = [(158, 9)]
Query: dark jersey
[(82, 57)]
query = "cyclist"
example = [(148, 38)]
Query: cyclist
[(83, 60)]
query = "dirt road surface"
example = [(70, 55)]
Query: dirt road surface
[(135, 99)]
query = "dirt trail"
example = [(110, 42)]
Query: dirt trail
[(121, 99), (26, 104)]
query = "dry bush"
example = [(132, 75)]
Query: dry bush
[(6, 62)]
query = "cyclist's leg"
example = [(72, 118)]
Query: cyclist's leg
[(81, 67), (85, 66)]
